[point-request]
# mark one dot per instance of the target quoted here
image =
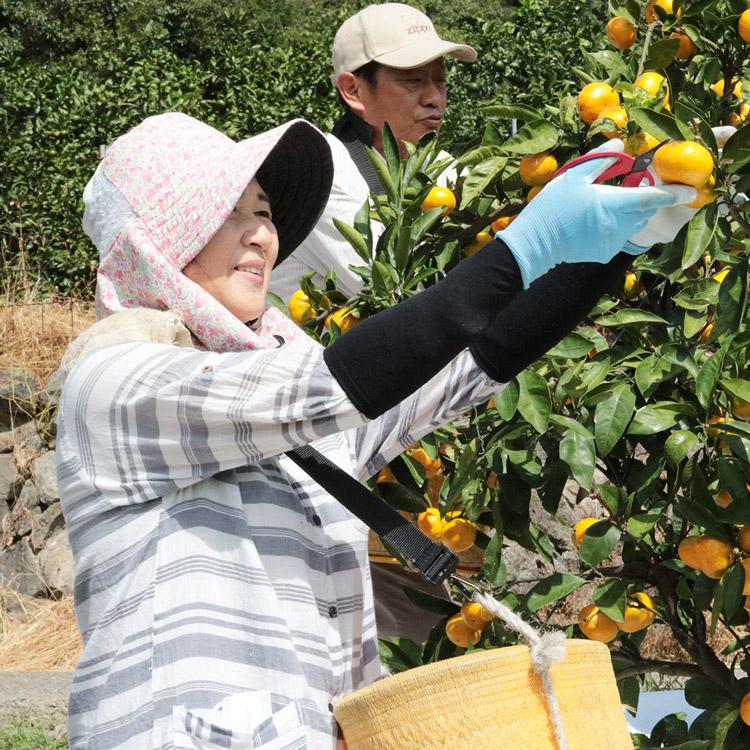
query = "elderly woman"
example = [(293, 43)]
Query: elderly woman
[(223, 597)]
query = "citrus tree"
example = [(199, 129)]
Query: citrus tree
[(645, 406)]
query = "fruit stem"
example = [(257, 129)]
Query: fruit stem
[(739, 640)]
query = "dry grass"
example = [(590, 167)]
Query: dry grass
[(37, 634), (35, 334)]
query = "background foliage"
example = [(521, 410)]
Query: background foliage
[(74, 76)]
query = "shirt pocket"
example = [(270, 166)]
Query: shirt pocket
[(283, 730)]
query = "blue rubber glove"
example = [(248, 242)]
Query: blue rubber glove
[(573, 221)]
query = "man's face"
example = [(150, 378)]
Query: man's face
[(411, 100)]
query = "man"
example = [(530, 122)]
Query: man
[(388, 64)]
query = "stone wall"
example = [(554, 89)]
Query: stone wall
[(35, 557)]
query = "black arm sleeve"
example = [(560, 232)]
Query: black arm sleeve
[(543, 315), (392, 354)]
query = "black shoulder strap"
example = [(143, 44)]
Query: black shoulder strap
[(432, 560), (355, 133)]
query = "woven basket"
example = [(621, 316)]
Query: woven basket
[(489, 700)]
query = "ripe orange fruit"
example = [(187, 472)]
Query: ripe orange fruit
[(300, 308), (537, 169), (737, 118), (620, 32), (637, 144), (595, 625), (746, 565), (714, 425), (718, 88), (475, 615), (595, 97), (741, 408), (637, 614), (745, 702), (459, 534), (619, 116), (631, 286), (459, 633), (687, 49), (502, 223), (432, 466), (743, 29), (665, 5), (705, 334), (479, 241), (580, 529), (651, 82), (688, 552), (720, 276), (724, 499), (439, 196), (705, 194), (431, 524), (743, 538), (343, 318), (533, 193), (686, 162), (386, 477), (714, 556)]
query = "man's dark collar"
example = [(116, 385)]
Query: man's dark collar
[(350, 127)]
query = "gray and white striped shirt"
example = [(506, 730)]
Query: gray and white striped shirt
[(223, 597)]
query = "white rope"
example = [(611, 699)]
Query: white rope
[(545, 651)]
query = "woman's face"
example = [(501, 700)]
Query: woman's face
[(235, 266)]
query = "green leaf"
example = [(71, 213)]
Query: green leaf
[(654, 418), (611, 61), (599, 542), (611, 598), (700, 231), (510, 111), (612, 496), (424, 223), (479, 154), (708, 376), (573, 346), (536, 136), (398, 656), (630, 317), (566, 423), (391, 152), (681, 444), (493, 568), (579, 454), (480, 177), (639, 524), (737, 387), (661, 53), (685, 114), (429, 602), (362, 225), (659, 124), (383, 174), (506, 401), (551, 589), (534, 403), (355, 239), (382, 281), (736, 153), (611, 418)]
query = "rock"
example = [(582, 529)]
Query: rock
[(56, 563), (18, 521), (8, 477), (17, 397), (44, 476), (549, 524), (19, 570), (6, 441), (28, 445), (4, 510), (523, 565), (28, 497), (44, 524)]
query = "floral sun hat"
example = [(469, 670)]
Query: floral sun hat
[(165, 187)]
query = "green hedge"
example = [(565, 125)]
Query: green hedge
[(77, 75)]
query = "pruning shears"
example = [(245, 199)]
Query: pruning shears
[(633, 169)]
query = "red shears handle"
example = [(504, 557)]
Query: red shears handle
[(624, 166)]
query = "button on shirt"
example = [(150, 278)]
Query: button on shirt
[(224, 598)]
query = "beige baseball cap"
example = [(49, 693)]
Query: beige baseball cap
[(392, 34)]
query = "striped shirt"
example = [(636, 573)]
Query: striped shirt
[(223, 597)]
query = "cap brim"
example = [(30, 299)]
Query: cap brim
[(421, 53), (297, 175)]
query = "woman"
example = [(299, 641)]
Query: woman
[(223, 597)]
